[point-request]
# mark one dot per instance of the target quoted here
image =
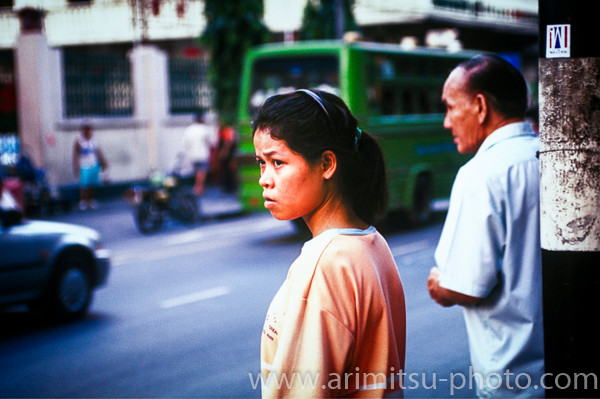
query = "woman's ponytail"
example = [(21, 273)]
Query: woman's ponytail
[(367, 186)]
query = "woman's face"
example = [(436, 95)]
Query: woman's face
[(292, 187)]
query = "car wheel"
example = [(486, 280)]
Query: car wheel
[(71, 290)]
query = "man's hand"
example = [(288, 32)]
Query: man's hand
[(444, 296), (433, 286)]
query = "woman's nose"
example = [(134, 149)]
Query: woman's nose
[(265, 179)]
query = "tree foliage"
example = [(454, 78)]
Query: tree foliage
[(232, 27), (319, 19)]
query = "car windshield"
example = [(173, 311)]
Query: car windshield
[(285, 74)]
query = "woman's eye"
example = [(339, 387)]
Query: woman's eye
[(277, 162)]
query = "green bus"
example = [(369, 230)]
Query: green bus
[(394, 93)]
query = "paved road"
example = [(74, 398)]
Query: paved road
[(183, 310)]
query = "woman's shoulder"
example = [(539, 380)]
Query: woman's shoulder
[(353, 264), (349, 250)]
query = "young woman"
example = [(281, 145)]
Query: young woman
[(336, 327)]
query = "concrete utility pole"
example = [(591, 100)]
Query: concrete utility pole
[(570, 195)]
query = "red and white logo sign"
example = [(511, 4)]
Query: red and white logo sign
[(558, 41)]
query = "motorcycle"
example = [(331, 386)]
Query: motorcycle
[(164, 197)]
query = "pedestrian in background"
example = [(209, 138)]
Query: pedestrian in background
[(198, 140), (489, 253), (339, 316), (226, 157), (88, 161)]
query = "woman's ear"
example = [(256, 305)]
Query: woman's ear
[(329, 164)]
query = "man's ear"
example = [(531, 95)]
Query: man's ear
[(329, 164), (482, 108)]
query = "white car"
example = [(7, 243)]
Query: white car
[(50, 266)]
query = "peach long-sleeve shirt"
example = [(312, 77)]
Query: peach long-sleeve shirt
[(336, 327)]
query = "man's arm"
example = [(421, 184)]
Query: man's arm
[(444, 296), (101, 159)]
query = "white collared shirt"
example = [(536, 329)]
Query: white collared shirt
[(490, 248)]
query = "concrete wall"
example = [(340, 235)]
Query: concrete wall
[(150, 140)]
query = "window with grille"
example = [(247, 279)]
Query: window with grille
[(189, 88), (97, 85)]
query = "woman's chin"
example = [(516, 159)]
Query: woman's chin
[(283, 216)]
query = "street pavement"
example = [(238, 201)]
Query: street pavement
[(233, 262), (214, 204)]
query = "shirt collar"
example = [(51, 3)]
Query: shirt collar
[(328, 234), (504, 133)]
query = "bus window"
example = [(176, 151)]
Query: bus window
[(389, 104), (385, 67), (407, 101), (284, 74), (435, 101), (406, 65), (426, 106), (382, 90)]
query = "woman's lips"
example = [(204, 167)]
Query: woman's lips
[(269, 202)]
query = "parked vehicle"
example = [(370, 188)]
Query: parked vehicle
[(162, 198), (53, 267)]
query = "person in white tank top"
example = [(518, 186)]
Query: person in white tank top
[(88, 161)]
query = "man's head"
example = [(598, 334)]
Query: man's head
[(482, 95), (200, 116)]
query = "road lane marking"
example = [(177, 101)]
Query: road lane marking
[(406, 249), (204, 238), (234, 229), (160, 253), (440, 205), (195, 297)]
